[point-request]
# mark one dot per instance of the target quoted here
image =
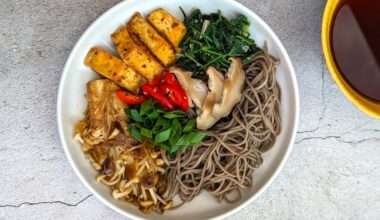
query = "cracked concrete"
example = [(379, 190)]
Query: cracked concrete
[(339, 138), (51, 202), (332, 172)]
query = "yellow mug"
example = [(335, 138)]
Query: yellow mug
[(367, 105)]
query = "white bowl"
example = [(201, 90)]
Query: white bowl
[(72, 103)]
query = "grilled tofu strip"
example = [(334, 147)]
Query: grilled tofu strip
[(167, 25), (162, 49), (135, 54), (113, 68)]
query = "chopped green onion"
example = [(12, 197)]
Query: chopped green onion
[(163, 136)]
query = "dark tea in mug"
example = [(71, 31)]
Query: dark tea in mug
[(355, 37)]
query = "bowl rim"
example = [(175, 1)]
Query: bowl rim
[(277, 170), (365, 104)]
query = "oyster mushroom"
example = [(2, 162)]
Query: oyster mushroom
[(104, 110), (232, 89), (215, 84), (195, 89)]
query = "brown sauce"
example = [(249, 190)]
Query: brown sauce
[(355, 41)]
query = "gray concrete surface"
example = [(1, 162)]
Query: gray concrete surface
[(333, 172)]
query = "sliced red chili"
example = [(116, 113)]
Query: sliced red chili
[(155, 94), (176, 95), (157, 80), (170, 79), (130, 98)]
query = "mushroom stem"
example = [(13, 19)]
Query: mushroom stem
[(153, 195), (143, 193), (109, 183), (146, 203), (78, 138), (169, 205), (132, 181), (160, 170), (117, 195)]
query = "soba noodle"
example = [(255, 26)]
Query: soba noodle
[(225, 162)]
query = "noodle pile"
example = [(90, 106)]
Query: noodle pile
[(225, 162), (222, 164)]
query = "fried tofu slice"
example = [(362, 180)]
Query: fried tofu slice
[(113, 68), (167, 25), (135, 54), (162, 49)]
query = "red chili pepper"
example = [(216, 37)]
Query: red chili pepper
[(157, 80), (170, 79), (130, 98), (173, 89), (155, 94), (176, 95)]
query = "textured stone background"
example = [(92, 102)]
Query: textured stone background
[(333, 172)]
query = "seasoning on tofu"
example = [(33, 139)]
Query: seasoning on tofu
[(167, 25), (135, 54), (162, 49), (113, 68)]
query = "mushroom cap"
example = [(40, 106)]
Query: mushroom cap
[(232, 90), (215, 84), (206, 120)]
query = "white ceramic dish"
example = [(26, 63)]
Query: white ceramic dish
[(72, 103)]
